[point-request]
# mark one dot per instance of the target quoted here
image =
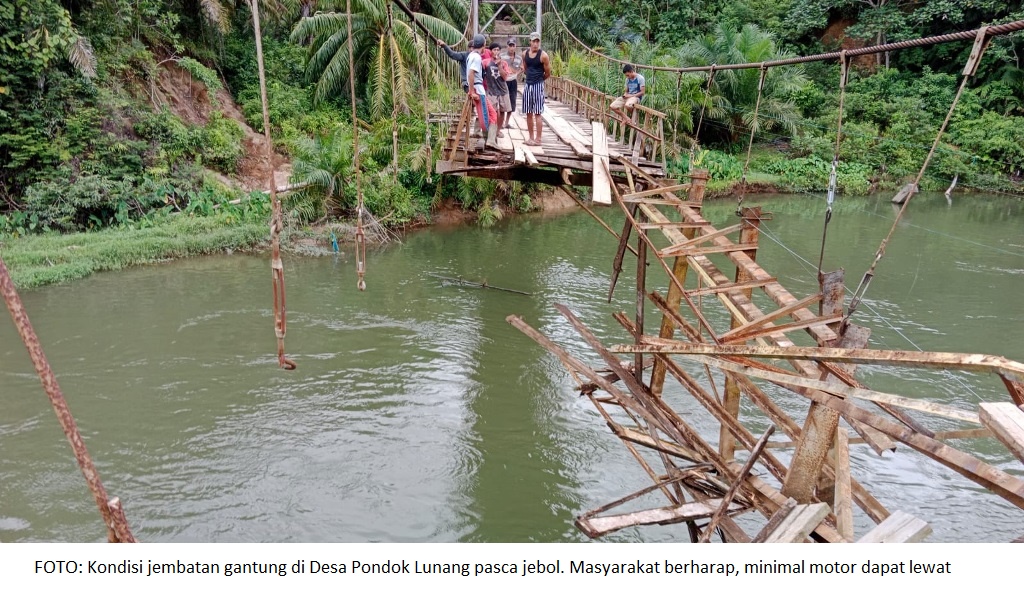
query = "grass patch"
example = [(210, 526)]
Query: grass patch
[(37, 260)]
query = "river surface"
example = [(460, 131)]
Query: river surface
[(418, 414)]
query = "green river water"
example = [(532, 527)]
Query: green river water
[(418, 414)]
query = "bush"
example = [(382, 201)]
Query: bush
[(222, 143), (88, 202)]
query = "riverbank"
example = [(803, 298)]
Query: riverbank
[(52, 258)]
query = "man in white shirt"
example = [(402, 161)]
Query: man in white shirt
[(486, 116)]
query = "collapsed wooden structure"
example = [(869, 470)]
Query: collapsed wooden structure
[(811, 493)]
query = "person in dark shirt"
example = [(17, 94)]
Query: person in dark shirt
[(459, 57), (538, 68)]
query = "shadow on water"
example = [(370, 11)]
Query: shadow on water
[(418, 414)]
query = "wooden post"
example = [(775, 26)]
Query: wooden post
[(474, 15), (843, 497), (698, 183), (731, 401)]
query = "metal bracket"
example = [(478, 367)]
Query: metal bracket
[(980, 43)]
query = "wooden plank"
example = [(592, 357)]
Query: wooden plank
[(602, 178), (795, 381), (504, 142), (775, 315), (782, 328), (779, 501), (643, 439), (689, 251), (1006, 421), (561, 129), (798, 524), (755, 452), (528, 154), (520, 155), (679, 225), (660, 201), (776, 520), (703, 238), (728, 288), (898, 528), (595, 527), (843, 497), (656, 191)]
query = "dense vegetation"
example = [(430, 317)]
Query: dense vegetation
[(92, 135)]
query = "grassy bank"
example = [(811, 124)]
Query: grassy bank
[(37, 260)]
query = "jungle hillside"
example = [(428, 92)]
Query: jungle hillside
[(132, 130)]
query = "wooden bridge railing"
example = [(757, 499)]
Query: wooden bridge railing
[(644, 132)]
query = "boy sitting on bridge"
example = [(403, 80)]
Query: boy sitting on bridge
[(635, 88)]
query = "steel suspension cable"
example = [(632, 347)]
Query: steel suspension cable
[(833, 178), (360, 234), (276, 218), (981, 43), (993, 30), (110, 508), (750, 143), (703, 108)]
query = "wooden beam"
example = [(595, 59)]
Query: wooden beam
[(781, 328), (656, 191), (742, 475), (1006, 421), (697, 240), (832, 388), (899, 528), (690, 251), (559, 126), (969, 362), (843, 498), (730, 287), (776, 520), (531, 159), (800, 522), (602, 190), (643, 439), (771, 317), (595, 527), (944, 435)]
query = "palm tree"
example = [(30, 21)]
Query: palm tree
[(322, 173), (580, 17), (380, 51), (734, 92)]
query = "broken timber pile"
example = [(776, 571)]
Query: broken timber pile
[(810, 493)]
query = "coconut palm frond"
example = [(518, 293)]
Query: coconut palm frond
[(216, 14), (82, 57)]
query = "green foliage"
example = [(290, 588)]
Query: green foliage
[(222, 143), (996, 140), (205, 75), (381, 50), (734, 93), (38, 260)]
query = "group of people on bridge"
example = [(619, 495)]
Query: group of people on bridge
[(491, 79)]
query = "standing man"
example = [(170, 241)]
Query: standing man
[(495, 72), (459, 57), (485, 114), (515, 67), (636, 85), (538, 69)]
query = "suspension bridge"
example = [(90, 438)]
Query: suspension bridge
[(799, 481)]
